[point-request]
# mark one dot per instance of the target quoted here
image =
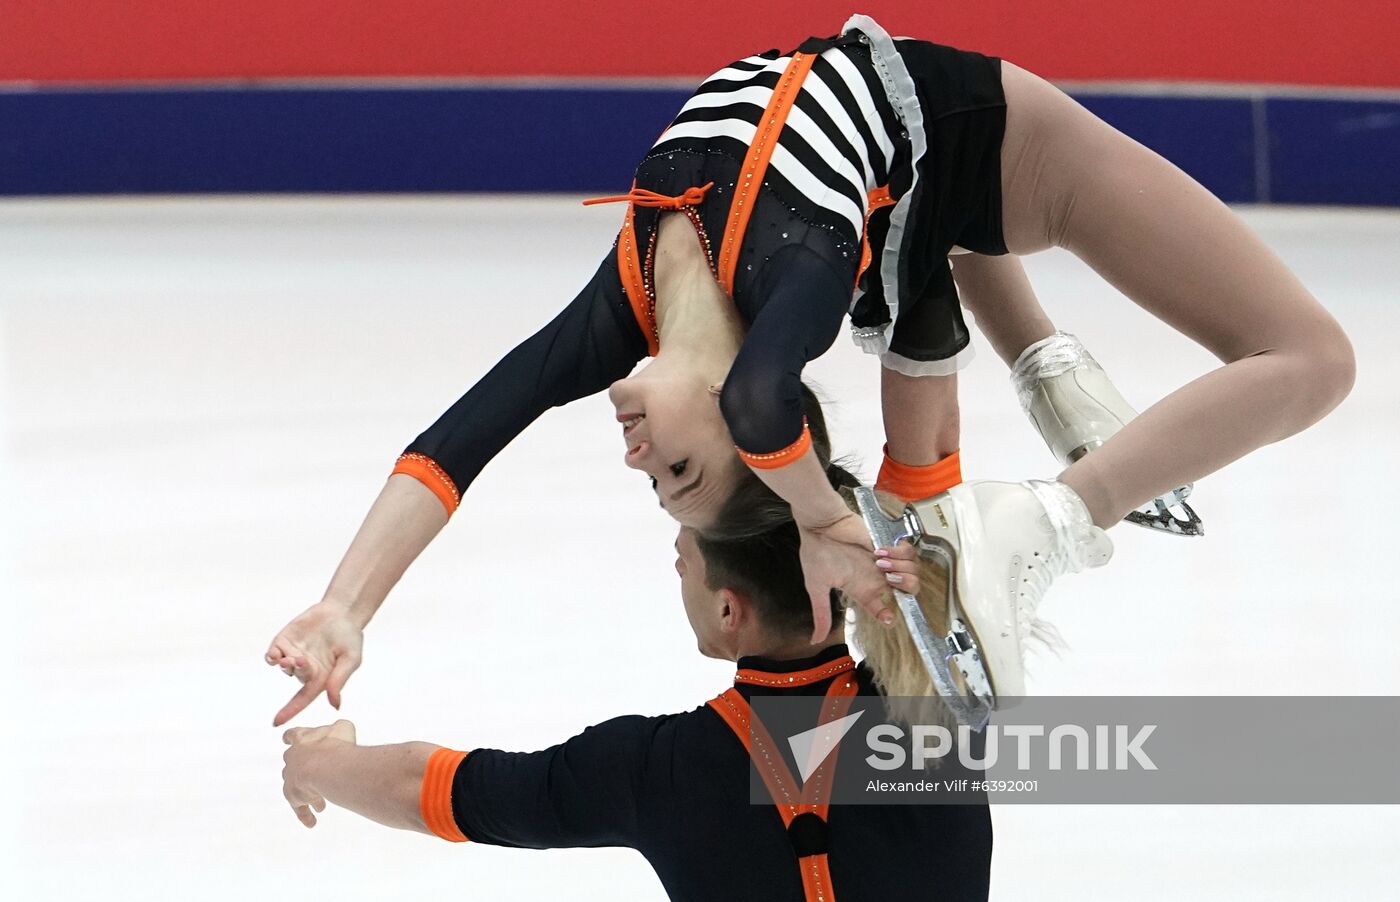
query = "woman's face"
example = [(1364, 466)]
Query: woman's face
[(675, 434)]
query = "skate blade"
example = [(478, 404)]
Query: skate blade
[(1163, 515), (943, 657)]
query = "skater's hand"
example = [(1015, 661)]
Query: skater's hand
[(840, 556), (305, 743), (900, 565), (321, 647)]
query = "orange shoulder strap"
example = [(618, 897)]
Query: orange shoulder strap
[(793, 803), (765, 139)]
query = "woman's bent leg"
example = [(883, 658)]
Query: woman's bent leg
[(1001, 298), (1069, 180)]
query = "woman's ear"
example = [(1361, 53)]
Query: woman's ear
[(717, 389)]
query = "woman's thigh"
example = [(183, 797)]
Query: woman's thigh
[(1069, 180)]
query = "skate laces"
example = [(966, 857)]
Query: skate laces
[(1046, 359)]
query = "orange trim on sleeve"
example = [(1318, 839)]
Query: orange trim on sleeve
[(915, 483), (777, 459), (424, 469), (756, 164), (880, 197), (435, 800)]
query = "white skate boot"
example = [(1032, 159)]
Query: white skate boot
[(1003, 544), (1075, 408)]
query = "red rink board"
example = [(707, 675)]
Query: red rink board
[(1308, 42)]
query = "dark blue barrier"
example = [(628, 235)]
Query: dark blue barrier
[(1326, 151), (326, 140), (559, 138)]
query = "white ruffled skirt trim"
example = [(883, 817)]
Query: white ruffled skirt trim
[(945, 367), (903, 96)]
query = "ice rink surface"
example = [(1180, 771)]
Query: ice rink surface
[(202, 396)]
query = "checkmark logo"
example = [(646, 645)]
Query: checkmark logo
[(811, 747)]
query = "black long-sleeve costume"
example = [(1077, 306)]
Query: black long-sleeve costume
[(676, 788), (914, 122)]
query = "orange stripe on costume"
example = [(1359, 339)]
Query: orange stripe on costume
[(816, 878), (630, 266), (878, 198), (424, 469), (435, 799), (915, 483), (756, 163), (776, 459)]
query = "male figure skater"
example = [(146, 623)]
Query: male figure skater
[(676, 788)]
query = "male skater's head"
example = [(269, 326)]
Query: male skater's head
[(748, 597)]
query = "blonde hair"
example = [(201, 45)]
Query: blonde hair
[(889, 651)]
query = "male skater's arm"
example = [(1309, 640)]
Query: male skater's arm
[(382, 783), (586, 791)]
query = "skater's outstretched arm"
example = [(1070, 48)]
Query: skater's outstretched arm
[(591, 343), (591, 790), (322, 646), (382, 783)]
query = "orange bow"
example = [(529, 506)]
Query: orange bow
[(690, 197)]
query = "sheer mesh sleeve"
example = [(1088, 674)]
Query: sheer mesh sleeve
[(805, 303), (592, 343)]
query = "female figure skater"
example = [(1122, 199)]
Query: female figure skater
[(862, 160)]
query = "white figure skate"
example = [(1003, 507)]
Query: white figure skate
[(1075, 408), (1003, 544)]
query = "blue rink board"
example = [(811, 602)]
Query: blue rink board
[(334, 138)]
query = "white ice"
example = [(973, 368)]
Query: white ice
[(202, 396)]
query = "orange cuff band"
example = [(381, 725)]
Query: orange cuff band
[(915, 483), (424, 469), (779, 458), (435, 801)]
